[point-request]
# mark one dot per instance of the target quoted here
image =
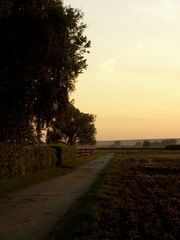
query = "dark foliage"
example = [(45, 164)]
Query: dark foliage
[(22, 160), (173, 147), (42, 49), (146, 143), (19, 160), (73, 127)]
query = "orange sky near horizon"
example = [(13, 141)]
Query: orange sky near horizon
[(132, 82)]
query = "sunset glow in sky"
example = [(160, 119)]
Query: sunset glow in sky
[(132, 82)]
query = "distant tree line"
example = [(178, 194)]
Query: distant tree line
[(156, 144), (42, 52), (116, 144)]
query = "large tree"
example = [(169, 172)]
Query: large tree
[(74, 127), (42, 51)]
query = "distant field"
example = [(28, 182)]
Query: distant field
[(129, 142), (137, 197)]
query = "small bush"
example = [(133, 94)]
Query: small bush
[(40, 157), (65, 154)]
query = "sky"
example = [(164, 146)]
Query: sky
[(132, 83)]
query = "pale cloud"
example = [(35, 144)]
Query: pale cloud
[(110, 65), (159, 9), (168, 3), (139, 45)]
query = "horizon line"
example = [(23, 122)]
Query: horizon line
[(138, 139)]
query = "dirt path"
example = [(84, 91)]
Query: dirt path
[(30, 213)]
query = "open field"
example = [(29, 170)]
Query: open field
[(136, 197)]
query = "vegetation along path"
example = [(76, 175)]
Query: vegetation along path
[(30, 213)]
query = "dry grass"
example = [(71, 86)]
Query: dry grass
[(137, 197)]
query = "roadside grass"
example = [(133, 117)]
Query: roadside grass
[(136, 197), (85, 159), (9, 185), (81, 221)]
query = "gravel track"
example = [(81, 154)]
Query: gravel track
[(30, 213)]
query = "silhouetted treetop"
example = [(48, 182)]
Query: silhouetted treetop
[(42, 52), (74, 127)]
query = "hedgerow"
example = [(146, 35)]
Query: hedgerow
[(16, 160)]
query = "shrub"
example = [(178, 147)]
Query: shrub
[(19, 160), (65, 154), (40, 157)]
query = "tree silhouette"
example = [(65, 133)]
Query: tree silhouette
[(42, 49), (74, 127), (146, 143)]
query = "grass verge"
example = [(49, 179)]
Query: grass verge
[(9, 185)]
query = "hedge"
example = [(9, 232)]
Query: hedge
[(20, 161), (66, 154)]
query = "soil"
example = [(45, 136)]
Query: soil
[(141, 201), (31, 213)]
